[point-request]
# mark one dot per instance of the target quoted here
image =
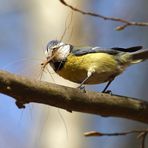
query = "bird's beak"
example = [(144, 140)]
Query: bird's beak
[(49, 58)]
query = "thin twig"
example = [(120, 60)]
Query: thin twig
[(95, 133), (125, 22), (141, 135)]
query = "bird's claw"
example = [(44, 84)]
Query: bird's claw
[(82, 88), (107, 92)]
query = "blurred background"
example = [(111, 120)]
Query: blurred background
[(25, 29)]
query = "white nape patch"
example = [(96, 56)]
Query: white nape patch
[(95, 48), (63, 52), (61, 44)]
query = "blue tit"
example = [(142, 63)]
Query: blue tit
[(91, 65)]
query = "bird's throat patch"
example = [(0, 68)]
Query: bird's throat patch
[(58, 65)]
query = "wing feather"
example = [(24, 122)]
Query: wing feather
[(112, 51)]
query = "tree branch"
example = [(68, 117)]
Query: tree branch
[(24, 91), (125, 22)]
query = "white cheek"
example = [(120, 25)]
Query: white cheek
[(63, 52)]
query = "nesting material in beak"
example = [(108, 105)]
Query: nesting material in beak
[(44, 64)]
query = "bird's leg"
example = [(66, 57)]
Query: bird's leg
[(81, 87), (104, 90)]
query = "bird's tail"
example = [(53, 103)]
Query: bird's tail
[(139, 56)]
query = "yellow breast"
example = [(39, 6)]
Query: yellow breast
[(76, 67)]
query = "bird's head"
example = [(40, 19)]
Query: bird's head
[(57, 51)]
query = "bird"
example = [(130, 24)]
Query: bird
[(91, 65)]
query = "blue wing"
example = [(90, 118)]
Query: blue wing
[(130, 49), (113, 51)]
